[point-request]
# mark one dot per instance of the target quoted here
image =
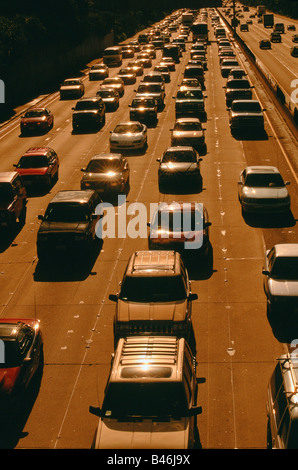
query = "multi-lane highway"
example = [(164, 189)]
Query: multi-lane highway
[(237, 346)]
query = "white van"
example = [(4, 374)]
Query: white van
[(112, 56)]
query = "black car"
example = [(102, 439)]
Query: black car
[(179, 165), (265, 44), (238, 89), (88, 112), (69, 224), (190, 102), (143, 110), (107, 173)]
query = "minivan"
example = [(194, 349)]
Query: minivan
[(112, 56)]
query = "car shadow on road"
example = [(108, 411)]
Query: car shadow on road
[(176, 188), (245, 135), (199, 267), (7, 237), (68, 269), (15, 419), (284, 327), (270, 220)]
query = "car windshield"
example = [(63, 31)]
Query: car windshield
[(103, 166), (190, 95), (230, 63), (98, 67), (70, 82), (188, 126), (240, 84), (248, 106), (153, 288), (35, 113), (111, 81), (34, 161), (190, 82), (86, 105), (179, 156), (6, 192), (124, 72), (128, 129), (149, 88), (106, 93), (146, 103), (264, 180), (62, 212), (153, 78), (145, 400), (285, 268), (11, 354)]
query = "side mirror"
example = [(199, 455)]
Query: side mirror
[(195, 410), (158, 159), (28, 359), (15, 165), (113, 297), (83, 169), (40, 217), (287, 183), (264, 271), (94, 410), (192, 297)]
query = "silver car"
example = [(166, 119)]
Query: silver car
[(129, 135), (261, 189), (281, 278), (106, 173), (188, 131), (115, 82)]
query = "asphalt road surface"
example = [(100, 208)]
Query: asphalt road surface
[(237, 345)]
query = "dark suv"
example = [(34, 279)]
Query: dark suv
[(89, 112), (143, 110), (13, 200), (69, 224)]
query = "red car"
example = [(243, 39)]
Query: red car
[(38, 166), (21, 356), (37, 120)]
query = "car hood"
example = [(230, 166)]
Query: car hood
[(180, 237), (32, 171), (264, 192), (127, 137), (163, 311), (283, 288), (181, 167), (146, 434), (52, 227), (8, 378)]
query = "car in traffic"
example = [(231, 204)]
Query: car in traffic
[(22, 343), (107, 174), (265, 44), (195, 71), (189, 102), (98, 72), (246, 115), (136, 66), (295, 38), (72, 88), (244, 27), (150, 396), (280, 280), (275, 37), (180, 226), (155, 91), (38, 166), (237, 72), (294, 51), (291, 27), (143, 110), (237, 89), (145, 59), (149, 49), (128, 135), (127, 75), (168, 62), (227, 65), (69, 226), (155, 297), (154, 77), (13, 201), (37, 119), (114, 82), (261, 189), (128, 51), (110, 97), (179, 165), (188, 131), (89, 113), (164, 71), (189, 83)]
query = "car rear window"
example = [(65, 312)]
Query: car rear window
[(153, 289)]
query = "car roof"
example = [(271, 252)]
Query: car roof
[(178, 148), (159, 263), (7, 176), (286, 249), (37, 151), (264, 169), (79, 196), (188, 119)]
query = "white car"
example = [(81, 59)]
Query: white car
[(128, 135), (188, 131), (261, 189)]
